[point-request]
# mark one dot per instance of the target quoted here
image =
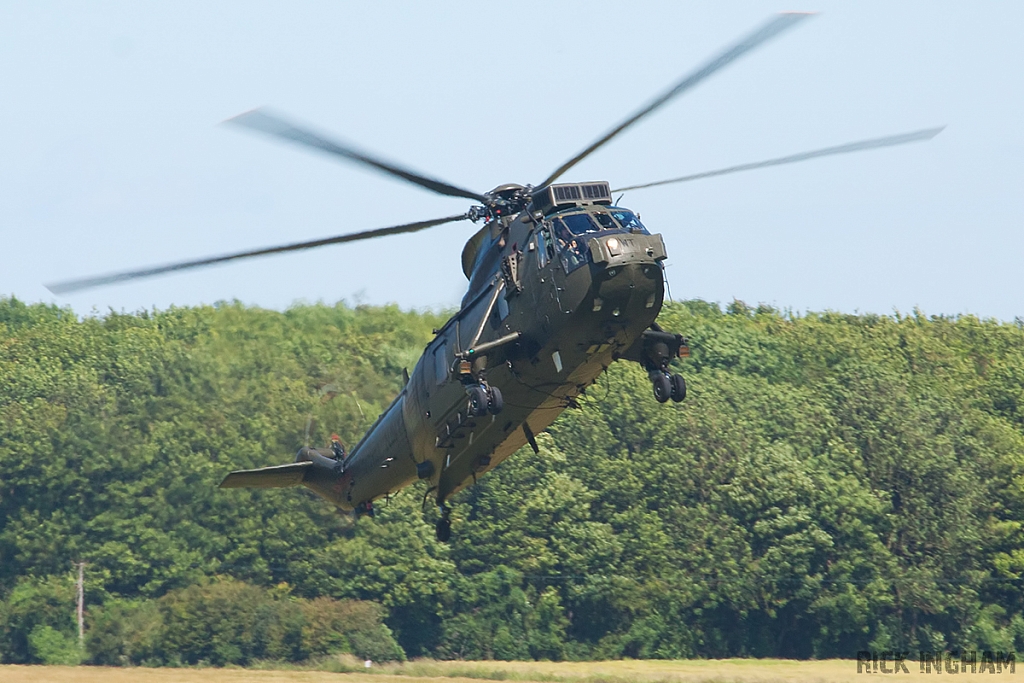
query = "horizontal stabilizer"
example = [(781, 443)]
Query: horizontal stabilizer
[(276, 477)]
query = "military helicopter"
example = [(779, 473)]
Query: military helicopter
[(562, 282)]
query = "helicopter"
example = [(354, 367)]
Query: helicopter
[(562, 283)]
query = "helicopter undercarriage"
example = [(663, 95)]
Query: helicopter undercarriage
[(656, 349), (484, 398)]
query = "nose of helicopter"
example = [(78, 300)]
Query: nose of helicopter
[(616, 250), (627, 276)]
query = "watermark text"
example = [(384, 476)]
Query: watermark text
[(942, 661)]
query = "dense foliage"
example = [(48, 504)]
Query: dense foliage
[(833, 482), (221, 622)]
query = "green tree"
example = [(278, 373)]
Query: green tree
[(832, 482)]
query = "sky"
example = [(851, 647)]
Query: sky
[(112, 156)]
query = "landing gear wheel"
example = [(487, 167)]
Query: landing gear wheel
[(495, 402), (678, 388), (662, 387), (477, 400)]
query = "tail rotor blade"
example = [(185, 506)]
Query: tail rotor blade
[(90, 282), (862, 145), (265, 122), (772, 28)]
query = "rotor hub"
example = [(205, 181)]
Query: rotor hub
[(504, 200)]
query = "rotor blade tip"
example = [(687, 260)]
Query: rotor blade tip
[(793, 18), (237, 118), (927, 133), (62, 288)]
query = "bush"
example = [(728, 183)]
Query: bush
[(50, 646), (37, 617), (376, 642), (124, 632), (349, 626), (228, 622)]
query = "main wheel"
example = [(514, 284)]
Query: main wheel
[(477, 401), (495, 402), (678, 388), (662, 387), (443, 530)]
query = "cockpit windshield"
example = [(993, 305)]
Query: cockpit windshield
[(580, 224), (628, 220), (570, 248), (605, 221), (613, 219)]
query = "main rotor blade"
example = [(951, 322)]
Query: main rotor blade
[(774, 27), (89, 282), (891, 141), (259, 119)]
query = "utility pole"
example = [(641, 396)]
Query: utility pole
[(81, 604)]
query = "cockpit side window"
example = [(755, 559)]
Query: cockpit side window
[(629, 221), (562, 234), (569, 246)]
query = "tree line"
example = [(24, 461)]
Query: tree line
[(833, 483)]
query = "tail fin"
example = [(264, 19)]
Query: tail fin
[(276, 477)]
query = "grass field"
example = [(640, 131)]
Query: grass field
[(649, 671)]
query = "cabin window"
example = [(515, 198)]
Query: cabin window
[(441, 363)]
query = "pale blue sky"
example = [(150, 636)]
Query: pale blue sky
[(112, 157)]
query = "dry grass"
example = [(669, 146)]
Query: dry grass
[(687, 671)]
